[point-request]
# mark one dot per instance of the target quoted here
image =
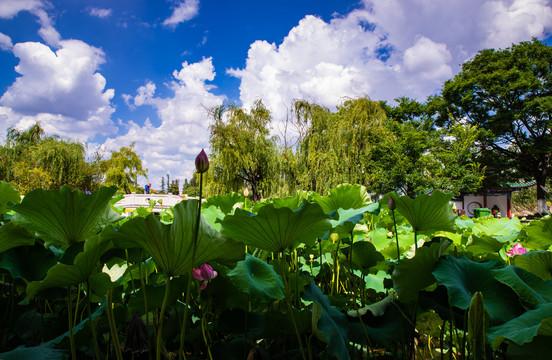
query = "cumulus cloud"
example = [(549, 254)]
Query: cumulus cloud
[(101, 13), (184, 10), (61, 89), (387, 49), (5, 42), (10, 8), (172, 147)]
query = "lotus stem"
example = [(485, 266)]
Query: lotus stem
[(290, 309), (161, 316), (91, 322), (396, 236), (181, 354), (143, 285), (70, 320), (112, 327)]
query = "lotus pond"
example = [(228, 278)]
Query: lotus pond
[(305, 277)]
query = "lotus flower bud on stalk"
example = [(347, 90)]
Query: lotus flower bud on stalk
[(391, 204), (202, 162)]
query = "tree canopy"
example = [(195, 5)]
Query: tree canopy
[(508, 94)]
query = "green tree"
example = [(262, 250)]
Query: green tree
[(31, 160), (123, 168), (349, 146), (242, 151), (508, 94)]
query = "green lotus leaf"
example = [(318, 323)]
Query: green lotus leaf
[(523, 328), (27, 262), (413, 275), (85, 265), (539, 234), (8, 196), (536, 262), (463, 278), (364, 255), (258, 279), (63, 217), (213, 216), (348, 218), (331, 322), (171, 245), (292, 202), (379, 238), (12, 235), (502, 229), (426, 212), (527, 285), (464, 223), (40, 352), (225, 202), (344, 196), (276, 230), (483, 245)]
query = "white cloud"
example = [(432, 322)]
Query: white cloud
[(5, 42), (101, 13), (172, 147), (61, 89), (185, 10), (10, 8), (391, 48)]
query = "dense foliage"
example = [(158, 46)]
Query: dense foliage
[(508, 94), (30, 160), (310, 276)]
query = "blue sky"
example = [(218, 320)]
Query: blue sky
[(109, 73)]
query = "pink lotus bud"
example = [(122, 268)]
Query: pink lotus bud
[(391, 204), (202, 162)]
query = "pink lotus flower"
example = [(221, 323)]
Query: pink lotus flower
[(206, 273), (516, 250)]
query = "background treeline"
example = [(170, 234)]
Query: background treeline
[(29, 159), (489, 125)]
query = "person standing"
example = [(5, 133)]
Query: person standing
[(147, 188)]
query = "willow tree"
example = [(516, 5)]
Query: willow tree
[(348, 146), (31, 160), (508, 93), (123, 168), (243, 153)]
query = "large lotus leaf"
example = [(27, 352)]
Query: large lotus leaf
[(538, 349), (426, 212), (292, 202), (536, 262), (40, 352), (528, 286), (539, 234), (12, 235), (364, 255), (171, 245), (483, 245), (503, 229), (225, 202), (27, 262), (332, 322), (344, 196), (258, 279), (276, 230), (379, 238), (64, 217), (86, 264), (348, 218), (523, 328), (464, 223), (463, 278), (8, 196), (413, 275), (213, 216)]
